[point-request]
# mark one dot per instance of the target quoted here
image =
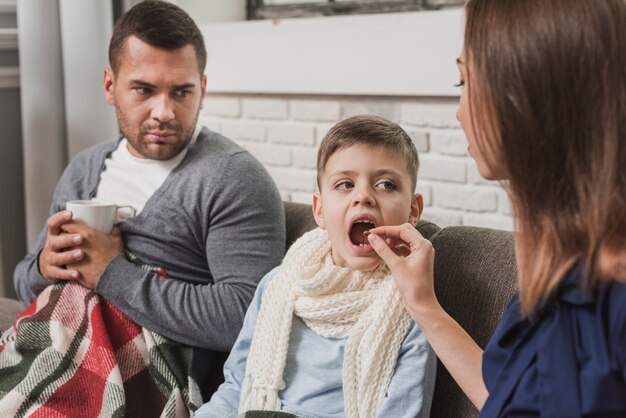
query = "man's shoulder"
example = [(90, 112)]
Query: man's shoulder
[(215, 145), (213, 152), (93, 156), (97, 151)]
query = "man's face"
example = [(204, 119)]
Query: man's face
[(157, 94), (363, 187)]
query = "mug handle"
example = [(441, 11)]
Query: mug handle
[(117, 208)]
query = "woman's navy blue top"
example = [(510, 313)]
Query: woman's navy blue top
[(570, 361)]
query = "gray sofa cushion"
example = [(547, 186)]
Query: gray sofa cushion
[(475, 277), (9, 310), (299, 219)]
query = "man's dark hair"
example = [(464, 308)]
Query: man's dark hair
[(160, 24)]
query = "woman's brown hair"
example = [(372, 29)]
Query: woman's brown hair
[(546, 79)]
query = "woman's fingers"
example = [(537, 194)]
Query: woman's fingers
[(401, 249), (398, 246), (392, 243), (383, 250), (405, 232), (410, 258)]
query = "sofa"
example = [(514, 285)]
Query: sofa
[(475, 276)]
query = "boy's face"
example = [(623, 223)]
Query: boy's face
[(363, 187)]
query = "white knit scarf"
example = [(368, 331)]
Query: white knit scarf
[(334, 302)]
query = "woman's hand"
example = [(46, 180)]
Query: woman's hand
[(413, 271), (410, 258)]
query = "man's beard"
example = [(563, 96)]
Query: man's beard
[(164, 151)]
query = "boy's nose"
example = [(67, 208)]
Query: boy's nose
[(363, 197), (163, 110)]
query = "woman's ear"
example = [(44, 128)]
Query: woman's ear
[(417, 207), (317, 210)]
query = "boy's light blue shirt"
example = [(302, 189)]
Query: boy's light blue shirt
[(313, 373)]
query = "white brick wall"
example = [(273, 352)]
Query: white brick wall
[(315, 110), (437, 167), (284, 132), (292, 133), (264, 108)]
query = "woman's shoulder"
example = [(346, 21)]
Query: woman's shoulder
[(615, 296), (617, 290)]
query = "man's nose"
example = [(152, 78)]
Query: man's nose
[(162, 110), (363, 196)]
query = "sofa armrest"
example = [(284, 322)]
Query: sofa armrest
[(475, 277), (9, 310)]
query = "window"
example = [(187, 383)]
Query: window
[(273, 9)]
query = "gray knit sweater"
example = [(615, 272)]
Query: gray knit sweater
[(216, 225)]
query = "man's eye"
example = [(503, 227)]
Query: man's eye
[(144, 91), (386, 185), (182, 93), (344, 185)]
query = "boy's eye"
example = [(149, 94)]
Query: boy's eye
[(386, 185), (344, 185)]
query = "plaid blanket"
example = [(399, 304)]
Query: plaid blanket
[(72, 354)]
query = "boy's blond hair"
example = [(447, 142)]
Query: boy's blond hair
[(368, 130)]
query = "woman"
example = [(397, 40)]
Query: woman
[(544, 108)]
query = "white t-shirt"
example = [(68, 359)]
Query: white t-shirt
[(130, 181)]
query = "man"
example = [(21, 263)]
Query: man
[(208, 216)]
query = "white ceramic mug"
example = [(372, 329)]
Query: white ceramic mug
[(98, 215)]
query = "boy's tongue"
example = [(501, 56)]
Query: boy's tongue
[(356, 233)]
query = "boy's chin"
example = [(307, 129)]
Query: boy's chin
[(364, 264), (352, 261)]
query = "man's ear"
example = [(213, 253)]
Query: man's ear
[(202, 90), (317, 210), (108, 83), (417, 207)]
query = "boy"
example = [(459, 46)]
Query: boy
[(327, 334)]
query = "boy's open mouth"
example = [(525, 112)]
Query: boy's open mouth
[(358, 228)]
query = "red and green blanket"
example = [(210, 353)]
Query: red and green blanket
[(73, 354)]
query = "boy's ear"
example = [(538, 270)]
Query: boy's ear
[(317, 210), (417, 207)]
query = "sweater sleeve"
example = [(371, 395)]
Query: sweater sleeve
[(225, 401), (244, 239), (27, 280), (413, 383), (73, 184)]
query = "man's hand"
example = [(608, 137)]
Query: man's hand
[(97, 249), (57, 251)]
